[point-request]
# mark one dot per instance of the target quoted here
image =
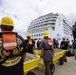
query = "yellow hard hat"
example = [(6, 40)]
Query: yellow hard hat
[(28, 35), (7, 21), (45, 33)]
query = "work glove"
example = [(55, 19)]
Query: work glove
[(41, 56)]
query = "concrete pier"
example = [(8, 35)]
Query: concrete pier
[(68, 68)]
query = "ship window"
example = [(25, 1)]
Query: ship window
[(32, 35), (41, 25), (38, 25), (58, 34), (53, 28), (39, 34), (63, 20), (46, 29), (53, 23)]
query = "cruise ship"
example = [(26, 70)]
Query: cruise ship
[(56, 24)]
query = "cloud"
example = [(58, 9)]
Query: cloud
[(24, 11), (71, 17), (64, 7)]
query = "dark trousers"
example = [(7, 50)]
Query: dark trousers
[(47, 68)]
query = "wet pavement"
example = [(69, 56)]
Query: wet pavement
[(68, 68)]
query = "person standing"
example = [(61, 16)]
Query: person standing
[(74, 47), (29, 44), (64, 44), (47, 52), (12, 49), (38, 44), (55, 43), (68, 43)]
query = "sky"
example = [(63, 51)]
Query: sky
[(24, 11)]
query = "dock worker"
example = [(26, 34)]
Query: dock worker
[(12, 49), (38, 44), (64, 46), (29, 44), (74, 47), (46, 52)]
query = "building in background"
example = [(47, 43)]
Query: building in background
[(56, 24)]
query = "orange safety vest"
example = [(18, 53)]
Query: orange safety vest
[(9, 41), (49, 42)]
